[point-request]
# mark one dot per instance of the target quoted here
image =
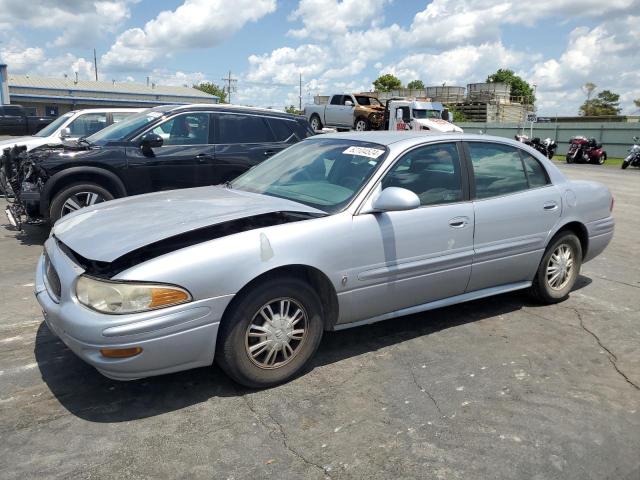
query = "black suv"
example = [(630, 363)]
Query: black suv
[(162, 148)]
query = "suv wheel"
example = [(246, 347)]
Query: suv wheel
[(77, 196), (270, 334), (558, 270)]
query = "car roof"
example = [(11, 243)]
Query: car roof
[(225, 107), (107, 110), (387, 138)]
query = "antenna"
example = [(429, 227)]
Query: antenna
[(231, 86)]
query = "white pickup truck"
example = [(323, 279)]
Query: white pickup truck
[(348, 111)]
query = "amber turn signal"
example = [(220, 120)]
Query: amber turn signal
[(164, 297), (120, 352)]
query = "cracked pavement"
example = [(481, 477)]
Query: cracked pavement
[(499, 388)]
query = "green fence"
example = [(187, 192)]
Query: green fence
[(616, 138)]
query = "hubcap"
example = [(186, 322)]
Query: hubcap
[(361, 126), (315, 124), (80, 200), (276, 333), (560, 267)]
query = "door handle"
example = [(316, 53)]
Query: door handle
[(458, 222), (203, 157), (550, 206), (268, 153)]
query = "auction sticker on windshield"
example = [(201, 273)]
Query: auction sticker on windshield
[(364, 152)]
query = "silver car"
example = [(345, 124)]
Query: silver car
[(334, 232)]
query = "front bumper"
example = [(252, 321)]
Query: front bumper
[(172, 339)]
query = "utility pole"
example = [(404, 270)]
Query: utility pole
[(95, 63), (300, 93), (231, 85)]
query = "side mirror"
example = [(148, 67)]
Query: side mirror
[(65, 132), (394, 199), (150, 141), (348, 103)]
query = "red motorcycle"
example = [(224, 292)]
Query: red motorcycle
[(585, 150)]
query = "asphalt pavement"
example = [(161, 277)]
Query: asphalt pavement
[(500, 388)]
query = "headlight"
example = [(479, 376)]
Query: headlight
[(127, 297)]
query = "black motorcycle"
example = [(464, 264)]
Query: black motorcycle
[(633, 159), (547, 147)]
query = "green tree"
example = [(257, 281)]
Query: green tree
[(636, 102), (606, 103), (386, 83), (588, 88), (415, 85), (519, 87), (458, 116), (212, 89), (292, 109)]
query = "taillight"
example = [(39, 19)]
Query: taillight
[(613, 201)]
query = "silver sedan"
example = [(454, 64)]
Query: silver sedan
[(334, 232)]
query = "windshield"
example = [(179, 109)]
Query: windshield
[(422, 113), (53, 126), (122, 129), (362, 100), (323, 173)]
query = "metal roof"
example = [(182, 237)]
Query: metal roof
[(86, 86)]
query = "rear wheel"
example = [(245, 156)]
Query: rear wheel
[(558, 269), (316, 124), (362, 124), (77, 196), (270, 334)]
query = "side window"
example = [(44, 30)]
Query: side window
[(236, 128), (282, 129), (347, 98), (186, 129), (88, 124), (336, 100), (497, 169), (431, 172), (119, 116), (536, 173)]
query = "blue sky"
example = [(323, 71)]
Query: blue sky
[(336, 44)]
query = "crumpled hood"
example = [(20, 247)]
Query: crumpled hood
[(107, 231), (30, 142), (438, 125)]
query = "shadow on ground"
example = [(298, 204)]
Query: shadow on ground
[(29, 235), (87, 394)]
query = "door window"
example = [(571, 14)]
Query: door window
[(536, 173), (186, 129), (236, 128), (336, 100), (282, 129), (88, 124), (118, 116), (431, 172), (497, 169)]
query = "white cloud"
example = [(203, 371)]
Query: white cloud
[(33, 60), (325, 18), (77, 21), (284, 65), (21, 60), (194, 24)]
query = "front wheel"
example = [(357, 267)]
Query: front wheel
[(316, 124), (569, 158), (625, 164), (270, 333), (77, 196), (558, 269)]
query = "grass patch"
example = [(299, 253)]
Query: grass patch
[(609, 162)]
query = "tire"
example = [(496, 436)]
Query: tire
[(315, 122), (541, 288), (237, 337), (600, 160), (569, 158), (625, 164), (83, 194), (361, 125)]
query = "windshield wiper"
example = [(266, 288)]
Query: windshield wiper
[(84, 141)]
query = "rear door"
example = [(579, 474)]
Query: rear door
[(516, 207), (186, 158), (242, 141)]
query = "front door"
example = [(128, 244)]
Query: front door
[(413, 257), (185, 159), (515, 207)]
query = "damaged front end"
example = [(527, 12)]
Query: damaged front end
[(22, 180)]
